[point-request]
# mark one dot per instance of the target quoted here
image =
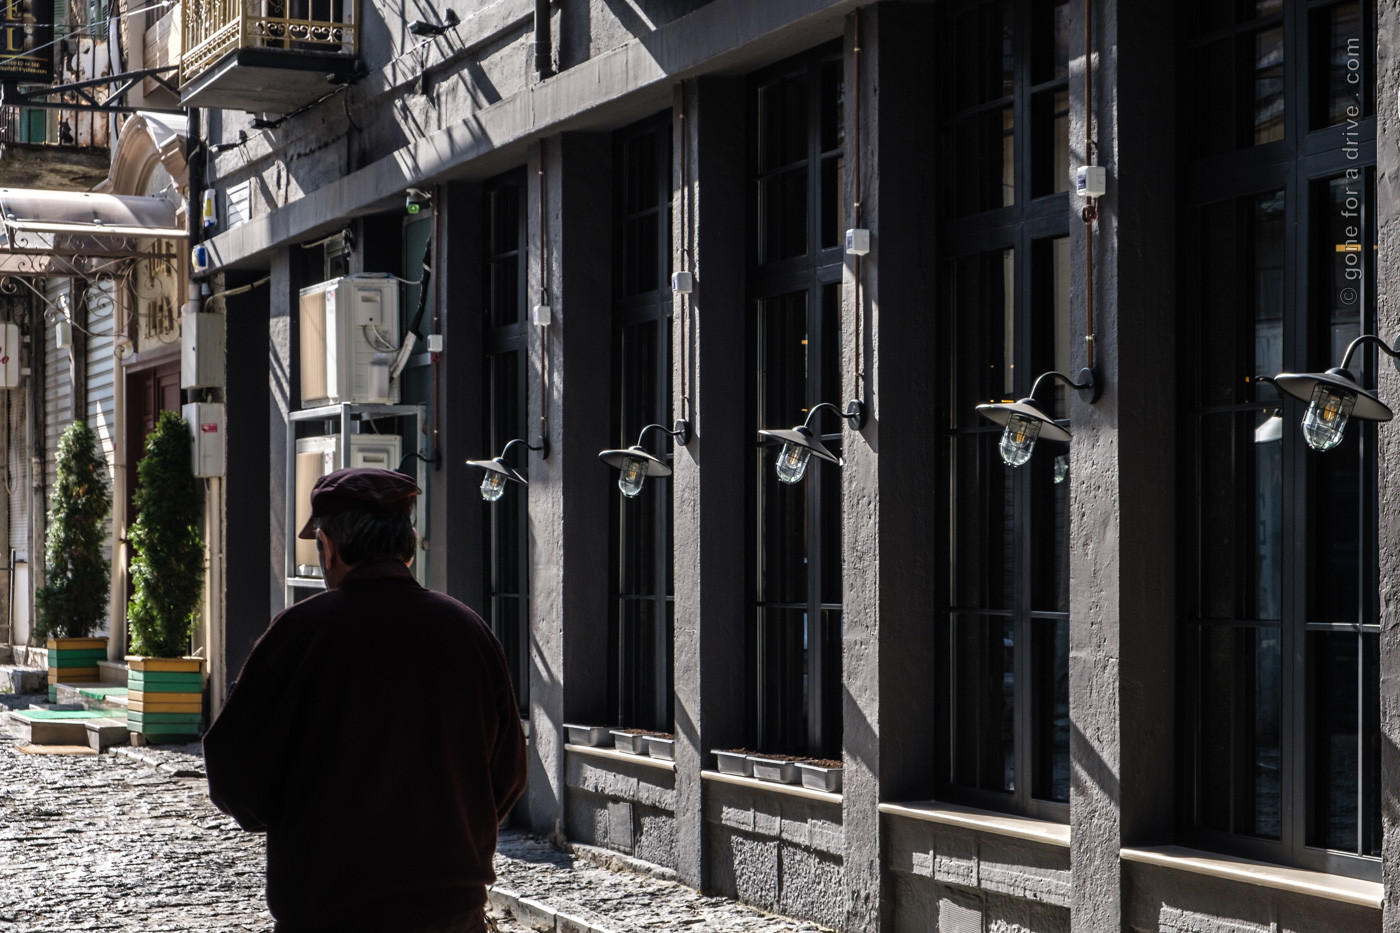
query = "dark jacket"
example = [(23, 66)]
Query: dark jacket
[(373, 734)]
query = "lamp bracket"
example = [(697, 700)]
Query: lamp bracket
[(542, 447), (681, 432), (854, 413), (1366, 338), (1088, 384)]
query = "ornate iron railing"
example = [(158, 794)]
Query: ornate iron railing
[(214, 28)]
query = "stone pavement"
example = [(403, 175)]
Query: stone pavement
[(128, 840)]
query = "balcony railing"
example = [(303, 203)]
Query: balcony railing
[(215, 28)]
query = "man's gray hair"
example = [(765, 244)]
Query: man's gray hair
[(366, 535)]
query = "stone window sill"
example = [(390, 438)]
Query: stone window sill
[(611, 754), (1280, 878), (772, 787), (986, 821)]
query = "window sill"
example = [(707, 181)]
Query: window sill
[(645, 761), (1280, 878), (789, 790), (986, 821)]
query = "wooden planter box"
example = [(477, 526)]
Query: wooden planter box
[(165, 697), (74, 661)]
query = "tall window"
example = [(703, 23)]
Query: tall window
[(507, 367), (1280, 580), (1004, 637), (640, 636), (798, 121)]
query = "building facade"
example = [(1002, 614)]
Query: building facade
[(1143, 681)]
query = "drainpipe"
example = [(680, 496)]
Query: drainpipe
[(544, 63)]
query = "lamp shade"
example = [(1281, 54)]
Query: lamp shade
[(1302, 386), (1002, 412), (498, 473), (650, 464), (801, 436)]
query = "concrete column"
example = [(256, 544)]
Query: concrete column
[(712, 633), (250, 430), (890, 592), (283, 396), (455, 519), (569, 494), (1123, 618), (1388, 328)]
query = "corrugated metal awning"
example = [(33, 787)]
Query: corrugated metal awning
[(83, 214)]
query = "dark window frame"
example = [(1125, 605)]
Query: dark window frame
[(505, 343), (1299, 166), (816, 274), (640, 667), (1038, 215)]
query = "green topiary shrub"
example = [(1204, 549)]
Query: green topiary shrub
[(73, 600), (167, 553)]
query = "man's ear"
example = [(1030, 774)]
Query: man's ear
[(329, 552)]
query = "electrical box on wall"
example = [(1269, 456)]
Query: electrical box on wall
[(201, 351), (9, 355), (344, 324), (206, 421)]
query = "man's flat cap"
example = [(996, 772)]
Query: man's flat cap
[(359, 489)]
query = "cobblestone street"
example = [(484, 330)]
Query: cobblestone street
[(128, 840)]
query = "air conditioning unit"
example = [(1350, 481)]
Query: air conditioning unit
[(349, 335), (317, 456)]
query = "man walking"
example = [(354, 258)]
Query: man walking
[(380, 815)]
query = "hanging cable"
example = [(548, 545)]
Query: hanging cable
[(1091, 208), (544, 300), (685, 248), (858, 206)]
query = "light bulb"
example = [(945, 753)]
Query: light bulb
[(1061, 468), (792, 463), (1018, 440), (1327, 416), (493, 486), (633, 475)]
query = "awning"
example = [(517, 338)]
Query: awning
[(80, 232), (84, 213)]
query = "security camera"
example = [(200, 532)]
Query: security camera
[(417, 200)]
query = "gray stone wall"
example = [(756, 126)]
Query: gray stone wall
[(621, 806), (777, 851)]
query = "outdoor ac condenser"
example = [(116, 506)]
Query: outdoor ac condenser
[(317, 456), (345, 324)]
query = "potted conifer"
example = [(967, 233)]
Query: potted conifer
[(72, 603), (166, 688)]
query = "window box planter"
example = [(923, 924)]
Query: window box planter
[(662, 746), (591, 736), (821, 775), (632, 741), (733, 761), (779, 769)]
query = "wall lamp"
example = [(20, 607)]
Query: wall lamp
[(1026, 421), (423, 28), (498, 472), (1335, 396), (637, 464), (800, 443)]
